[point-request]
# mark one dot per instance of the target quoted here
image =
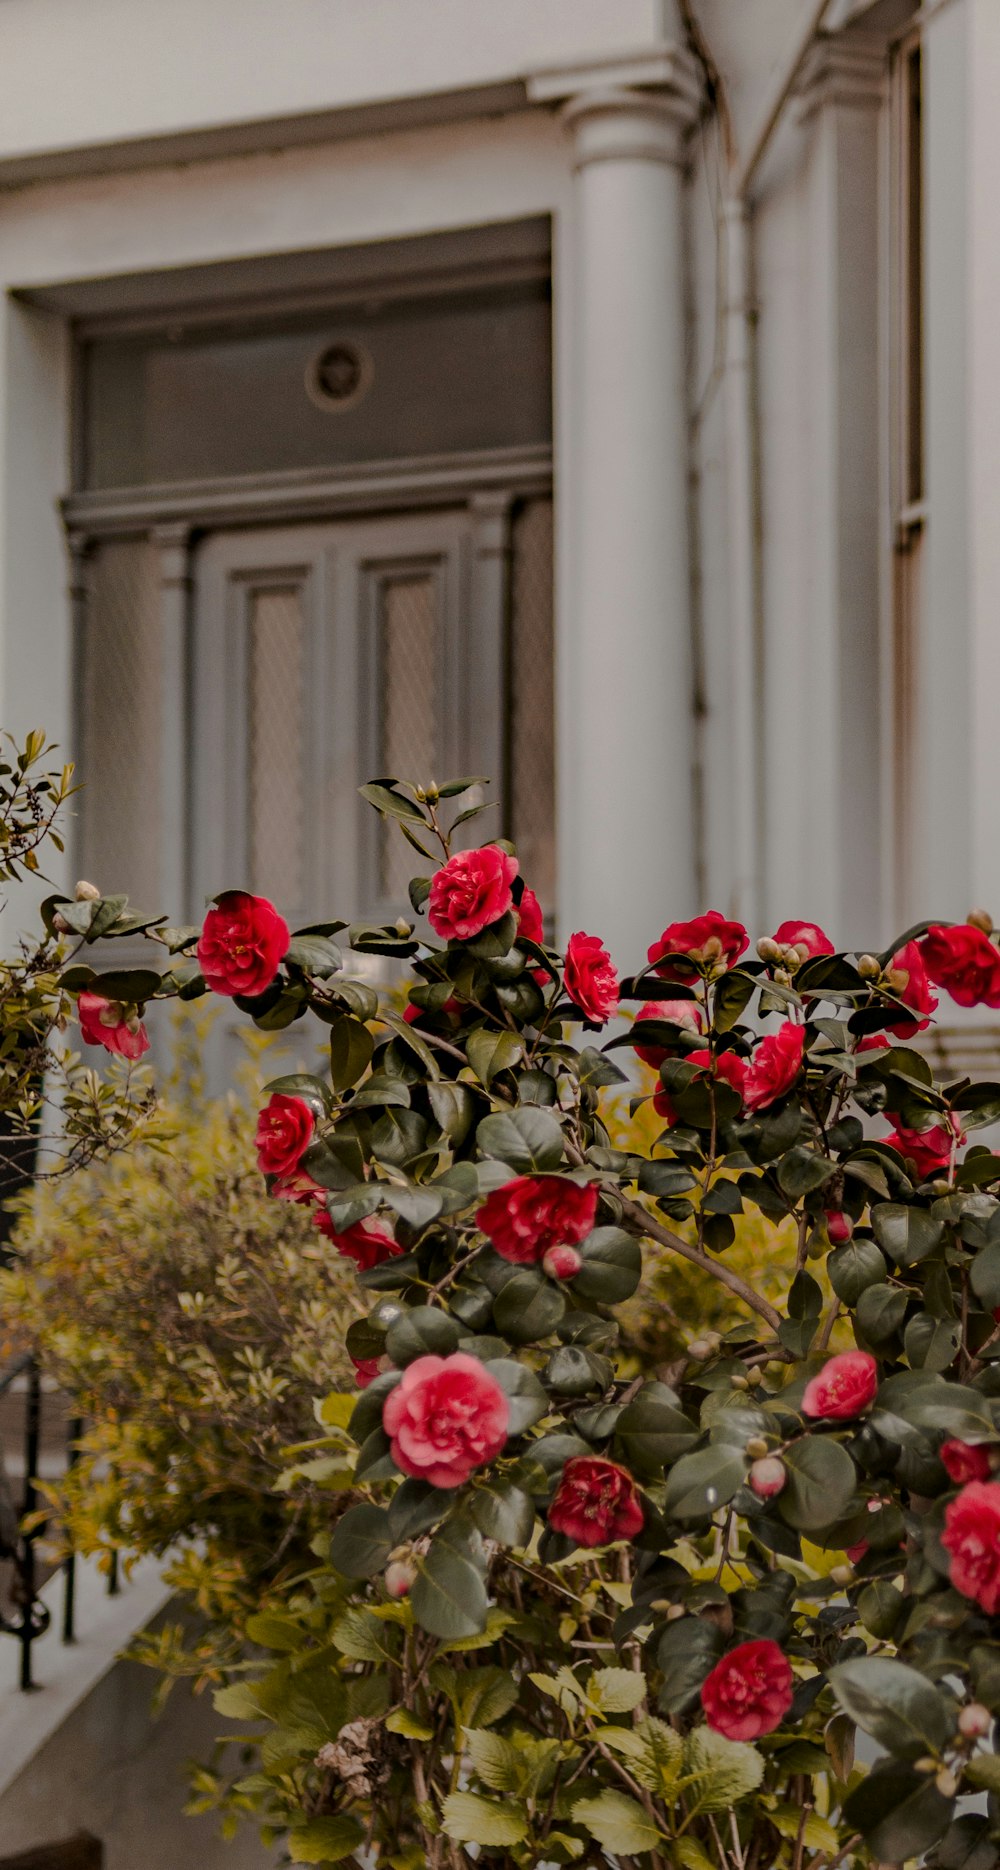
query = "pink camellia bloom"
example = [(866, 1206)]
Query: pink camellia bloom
[(930, 1151), (596, 1502), (873, 1042), (775, 1066), (285, 1130), (297, 1186), (727, 1066), (909, 983), (529, 917), (749, 1692), (365, 1242), (446, 1417), (972, 1536), (366, 1369), (767, 1476), (843, 1388), (108, 1023), (707, 945), (805, 935), (561, 1262), (470, 892), (243, 938), (963, 961), (532, 1213), (839, 1227), (685, 1013), (590, 978), (964, 1461)]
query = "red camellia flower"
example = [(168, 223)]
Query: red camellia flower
[(680, 1013), (107, 1023), (284, 1132), (529, 917), (963, 961), (447, 1417), (450, 1010), (972, 1536), (749, 1692), (804, 935), (595, 1502), (365, 1243), (532, 1213), (726, 1065), (775, 1066), (243, 938), (928, 1150), (964, 1461), (708, 945), (366, 1369), (298, 1186), (589, 977), (909, 982), (471, 891), (843, 1388)]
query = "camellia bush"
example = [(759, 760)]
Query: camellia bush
[(558, 1613)]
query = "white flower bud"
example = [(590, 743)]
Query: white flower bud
[(87, 893), (980, 919), (975, 1721), (868, 967)]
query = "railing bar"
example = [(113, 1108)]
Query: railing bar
[(69, 1566), (17, 1369), (32, 1437), (113, 1574)]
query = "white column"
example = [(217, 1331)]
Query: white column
[(625, 821)]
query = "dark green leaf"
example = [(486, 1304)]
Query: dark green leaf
[(395, 804), (453, 1106), (689, 1649), (421, 1331), (503, 1512), (855, 1267), (733, 992), (802, 1170), (897, 1705), (880, 1311), (528, 1139), (491, 1052), (314, 954), (907, 1235), (527, 1401), (900, 1812), (653, 1429), (612, 1266), (449, 1593), (361, 1542), (702, 1482), (820, 1486), (351, 1047), (528, 1307)]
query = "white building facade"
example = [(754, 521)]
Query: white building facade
[(596, 393)]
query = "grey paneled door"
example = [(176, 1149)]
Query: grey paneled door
[(324, 655)]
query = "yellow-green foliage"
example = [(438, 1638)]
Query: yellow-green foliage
[(193, 1320)]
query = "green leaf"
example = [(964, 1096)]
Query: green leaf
[(618, 1822), (931, 1343), (453, 1106), (351, 1048), (701, 1483), (907, 1235), (470, 1819), (529, 1140), (881, 1310), (897, 1705), (526, 1398), (820, 1486), (732, 994), (725, 1770), (271, 1632), (449, 1592), (495, 1761), (802, 1170), (238, 1702), (421, 1331), (401, 1721), (314, 954), (879, 1607), (984, 1275), (616, 1691), (361, 1541), (130, 985), (325, 1840), (414, 1204), (653, 1429), (612, 1266), (395, 804), (983, 1770), (504, 1513), (900, 1812), (689, 1648), (490, 1052), (528, 1307), (691, 1856)]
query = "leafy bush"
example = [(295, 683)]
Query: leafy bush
[(560, 1613)]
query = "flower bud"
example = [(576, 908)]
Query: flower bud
[(755, 1375), (868, 967), (675, 1613), (926, 1764), (980, 919), (399, 1577), (839, 1227), (841, 1574), (699, 1350), (756, 1447), (738, 1381), (782, 977), (562, 1262), (60, 924), (974, 1721), (767, 949), (87, 893), (947, 1783), (403, 927), (767, 1477)]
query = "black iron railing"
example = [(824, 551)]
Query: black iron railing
[(29, 1616)]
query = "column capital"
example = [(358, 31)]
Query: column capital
[(845, 70), (641, 105)]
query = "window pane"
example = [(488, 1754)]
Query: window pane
[(275, 745), (408, 664), (119, 765), (532, 692)]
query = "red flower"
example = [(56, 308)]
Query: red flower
[(243, 938), (450, 1010), (284, 1132), (589, 978), (972, 1536), (529, 917), (873, 1042), (447, 1417), (964, 1461), (708, 945), (595, 1502), (749, 1692), (471, 891), (366, 1369), (909, 983), (726, 1065), (775, 1066), (299, 1186), (843, 1388), (928, 1150), (108, 1023), (680, 1013), (365, 1242), (964, 962), (532, 1213), (804, 935)]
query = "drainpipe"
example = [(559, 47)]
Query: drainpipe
[(743, 491)]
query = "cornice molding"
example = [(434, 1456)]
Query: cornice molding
[(640, 105), (845, 70)]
